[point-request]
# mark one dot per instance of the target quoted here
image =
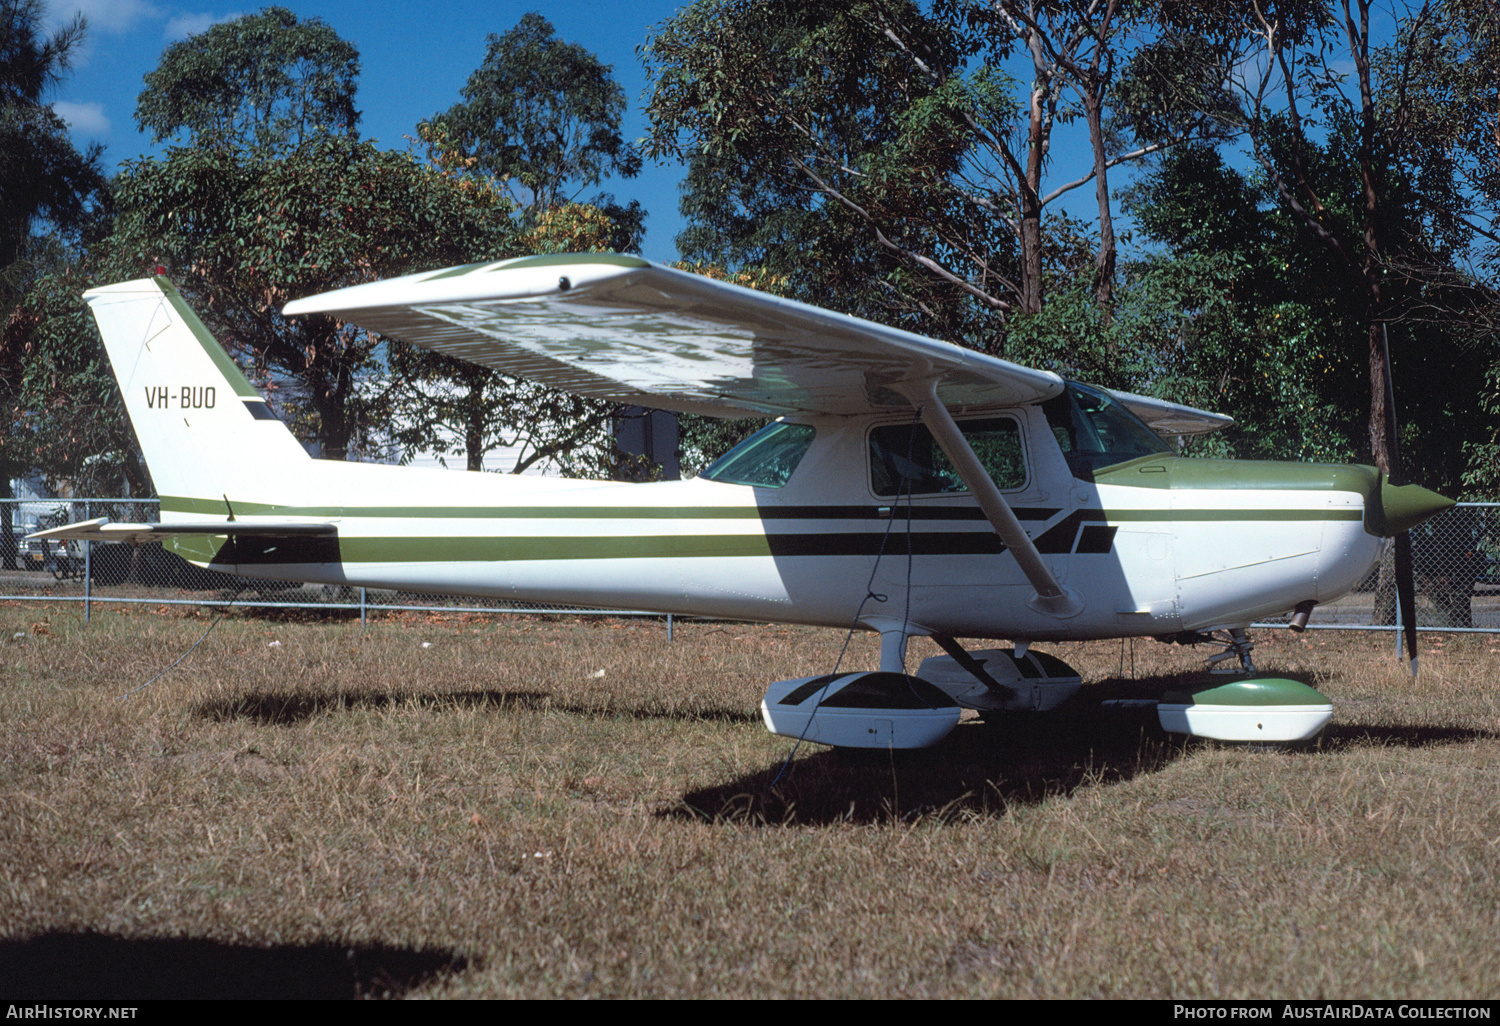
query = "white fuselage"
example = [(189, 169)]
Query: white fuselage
[(824, 548)]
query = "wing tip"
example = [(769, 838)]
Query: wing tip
[(388, 291)]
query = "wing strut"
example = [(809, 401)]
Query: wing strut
[(1051, 597)]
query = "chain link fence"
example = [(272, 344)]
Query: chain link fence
[(1456, 556), (99, 572)]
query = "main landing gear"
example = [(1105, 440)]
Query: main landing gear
[(890, 708), (893, 709)]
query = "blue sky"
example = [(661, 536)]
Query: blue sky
[(415, 58)]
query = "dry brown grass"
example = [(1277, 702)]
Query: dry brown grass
[(348, 812)]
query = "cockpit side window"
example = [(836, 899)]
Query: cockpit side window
[(766, 459), (906, 460), (1096, 431)]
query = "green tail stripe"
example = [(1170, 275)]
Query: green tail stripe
[(226, 366)]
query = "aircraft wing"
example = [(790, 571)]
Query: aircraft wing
[(102, 530), (626, 330), (1170, 418)]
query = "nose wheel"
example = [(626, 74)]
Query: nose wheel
[(1239, 646)]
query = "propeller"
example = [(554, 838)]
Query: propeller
[(1406, 589), (1406, 598)]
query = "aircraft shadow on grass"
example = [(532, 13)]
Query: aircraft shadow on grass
[(984, 769), (272, 708), (95, 966), (275, 708), (980, 769)]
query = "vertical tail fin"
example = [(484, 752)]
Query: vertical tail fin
[(205, 431)]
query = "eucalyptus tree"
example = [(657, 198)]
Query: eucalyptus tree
[(46, 184), (1344, 119), (258, 83), (543, 116), (244, 234), (272, 196), (48, 191), (897, 139), (822, 152), (1447, 66)]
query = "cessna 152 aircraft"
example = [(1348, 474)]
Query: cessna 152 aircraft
[(909, 487)]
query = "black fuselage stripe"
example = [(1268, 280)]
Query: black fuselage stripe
[(864, 543), (896, 510)]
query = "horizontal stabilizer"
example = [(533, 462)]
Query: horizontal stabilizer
[(102, 530)]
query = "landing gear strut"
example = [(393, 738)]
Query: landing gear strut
[(1239, 645)]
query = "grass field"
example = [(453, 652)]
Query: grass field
[(484, 807)]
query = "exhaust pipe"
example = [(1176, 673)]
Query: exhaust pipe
[(1300, 614)]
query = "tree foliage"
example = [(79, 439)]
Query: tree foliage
[(898, 138), (542, 115), (1334, 119), (45, 182), (260, 83), (1294, 372), (243, 234), (274, 198), (48, 192), (68, 419), (812, 141)]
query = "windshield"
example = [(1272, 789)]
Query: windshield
[(1096, 431), (766, 459)]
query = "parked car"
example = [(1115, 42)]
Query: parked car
[(64, 559)]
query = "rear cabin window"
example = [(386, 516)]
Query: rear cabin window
[(766, 459), (906, 459)]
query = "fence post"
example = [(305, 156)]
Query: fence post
[(669, 626), (1399, 632), (361, 607), (88, 577)]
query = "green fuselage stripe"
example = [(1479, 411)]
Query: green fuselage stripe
[(930, 531), (216, 507)]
